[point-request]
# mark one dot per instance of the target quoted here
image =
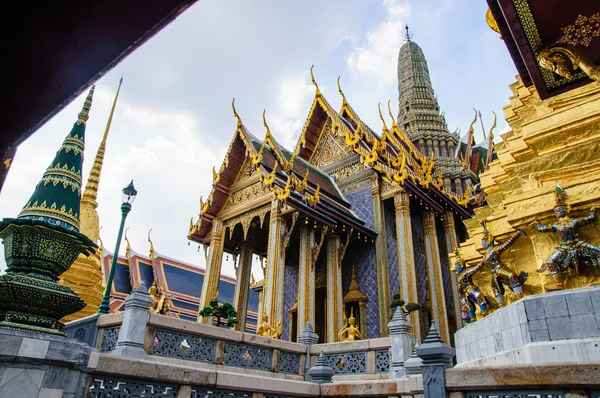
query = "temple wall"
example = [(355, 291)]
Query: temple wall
[(420, 264), (447, 273), (392, 247), (362, 205), (290, 293)]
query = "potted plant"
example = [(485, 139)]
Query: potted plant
[(225, 314)]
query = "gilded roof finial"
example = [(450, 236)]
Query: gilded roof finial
[(91, 188), (239, 122), (490, 144), (312, 77), (127, 247), (385, 127), (151, 251), (344, 102), (407, 35), (87, 104), (266, 125), (391, 115)]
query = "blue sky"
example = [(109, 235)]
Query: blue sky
[(173, 122)]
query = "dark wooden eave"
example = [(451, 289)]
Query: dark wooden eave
[(53, 51)]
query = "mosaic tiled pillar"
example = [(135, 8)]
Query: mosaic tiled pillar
[(334, 288), (406, 256), (434, 270), (212, 275), (451, 243), (273, 290), (382, 259), (306, 278), (240, 295)]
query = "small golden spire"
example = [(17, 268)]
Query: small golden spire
[(239, 120), (151, 251), (87, 104), (344, 102), (312, 77), (101, 246), (91, 188), (127, 247)]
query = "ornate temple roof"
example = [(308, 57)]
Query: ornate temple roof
[(530, 26), (297, 177)]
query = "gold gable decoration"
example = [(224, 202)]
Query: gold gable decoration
[(331, 147)]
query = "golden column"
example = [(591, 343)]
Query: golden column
[(381, 259), (210, 286), (406, 256), (242, 285), (85, 275), (273, 288), (306, 278), (334, 288), (434, 271), (451, 243)]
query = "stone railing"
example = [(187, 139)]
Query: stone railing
[(361, 359)]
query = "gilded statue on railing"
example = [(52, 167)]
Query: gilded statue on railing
[(571, 252), (501, 274), (265, 329), (349, 330), (469, 293), (161, 302)]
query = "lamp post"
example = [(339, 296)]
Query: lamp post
[(129, 194)]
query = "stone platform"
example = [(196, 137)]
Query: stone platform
[(562, 326)]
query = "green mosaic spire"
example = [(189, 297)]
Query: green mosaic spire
[(57, 196)]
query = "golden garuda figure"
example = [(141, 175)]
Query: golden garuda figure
[(349, 330), (501, 274), (161, 303), (571, 252), (469, 293)]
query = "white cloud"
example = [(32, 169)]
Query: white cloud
[(294, 95), (378, 57)]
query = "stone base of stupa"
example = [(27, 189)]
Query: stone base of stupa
[(561, 326)]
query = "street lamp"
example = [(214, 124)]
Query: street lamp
[(129, 194)]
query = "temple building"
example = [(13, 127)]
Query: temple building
[(344, 222), (178, 282)]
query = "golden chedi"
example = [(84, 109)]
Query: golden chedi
[(552, 140)]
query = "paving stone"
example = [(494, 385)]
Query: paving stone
[(595, 296), (560, 328), (9, 345), (33, 348), (55, 377), (539, 324), (579, 303), (534, 308), (498, 343), (20, 382), (525, 333), (50, 393), (539, 335), (584, 326), (555, 306)]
